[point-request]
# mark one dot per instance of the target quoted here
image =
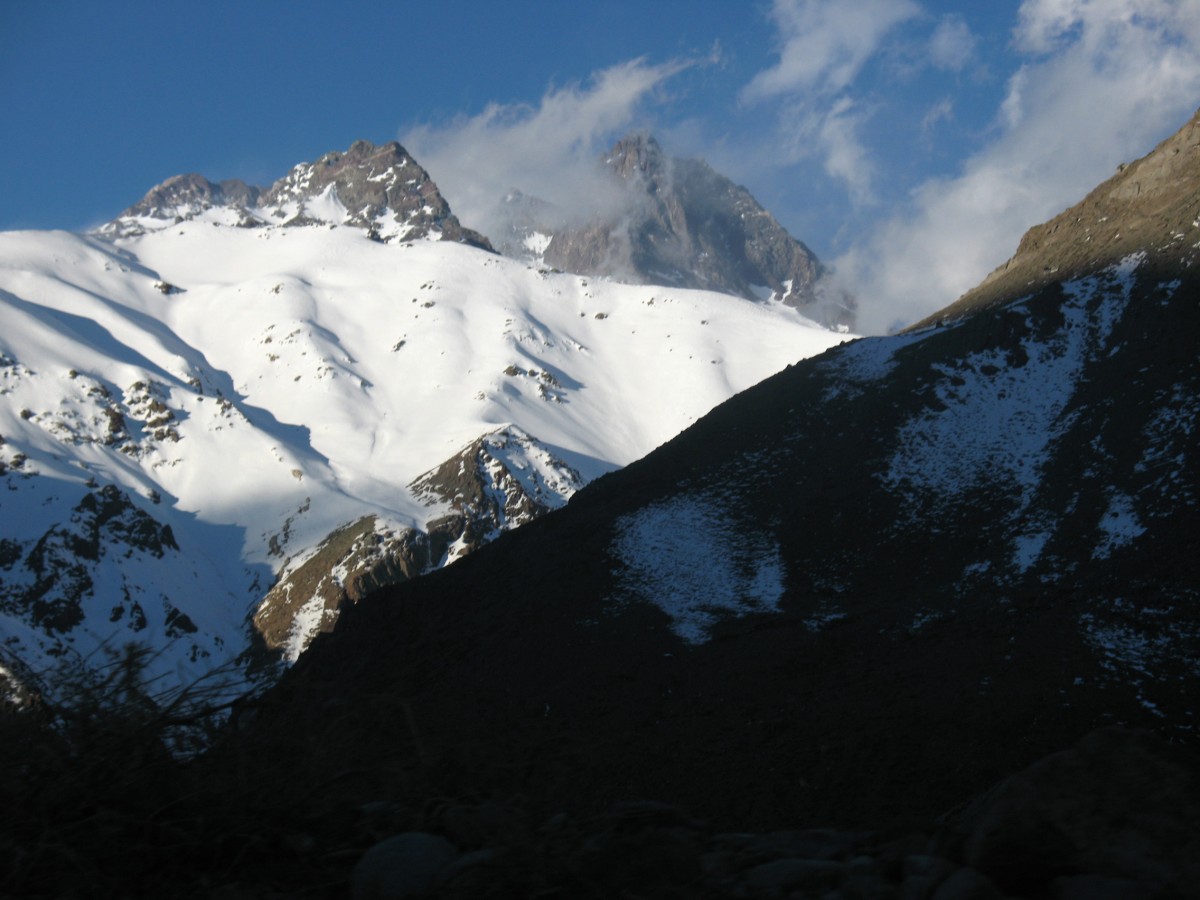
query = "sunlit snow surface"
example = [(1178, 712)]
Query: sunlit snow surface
[(275, 383), (691, 558)]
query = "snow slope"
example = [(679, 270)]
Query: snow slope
[(251, 390)]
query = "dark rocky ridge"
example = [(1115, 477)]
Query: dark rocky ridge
[(938, 627), (348, 564), (486, 495), (56, 572), (683, 224), (383, 190)]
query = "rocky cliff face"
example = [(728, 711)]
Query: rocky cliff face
[(380, 189), (681, 224), (498, 482), (357, 558)]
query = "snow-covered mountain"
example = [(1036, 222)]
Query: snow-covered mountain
[(380, 189), (673, 221), (228, 384), (844, 609)]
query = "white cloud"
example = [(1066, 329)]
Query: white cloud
[(942, 111), (846, 159), (549, 150), (1046, 25), (1107, 81), (824, 45), (829, 131), (952, 45)]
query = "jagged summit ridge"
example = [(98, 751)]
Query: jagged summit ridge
[(186, 196), (379, 188), (679, 223)]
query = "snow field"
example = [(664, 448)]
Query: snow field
[(275, 383)]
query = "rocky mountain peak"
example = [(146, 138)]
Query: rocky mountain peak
[(382, 189), (637, 155), (379, 188), (680, 223), (503, 479), (188, 195)]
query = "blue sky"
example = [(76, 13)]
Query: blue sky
[(908, 142)]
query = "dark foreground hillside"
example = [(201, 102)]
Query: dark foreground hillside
[(98, 810), (796, 651), (862, 591)]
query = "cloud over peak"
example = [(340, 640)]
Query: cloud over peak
[(948, 144), (549, 150)]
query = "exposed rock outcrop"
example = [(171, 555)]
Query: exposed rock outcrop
[(51, 580), (381, 189), (498, 482), (354, 560), (501, 480), (183, 196)]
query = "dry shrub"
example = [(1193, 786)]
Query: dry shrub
[(97, 794)]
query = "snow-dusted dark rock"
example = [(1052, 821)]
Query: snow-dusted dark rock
[(80, 576), (866, 587), (381, 189), (183, 197), (503, 480), (498, 482)]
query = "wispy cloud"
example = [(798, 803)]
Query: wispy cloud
[(942, 111), (952, 45), (1090, 83), (824, 45), (846, 159), (1100, 81), (549, 150)]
